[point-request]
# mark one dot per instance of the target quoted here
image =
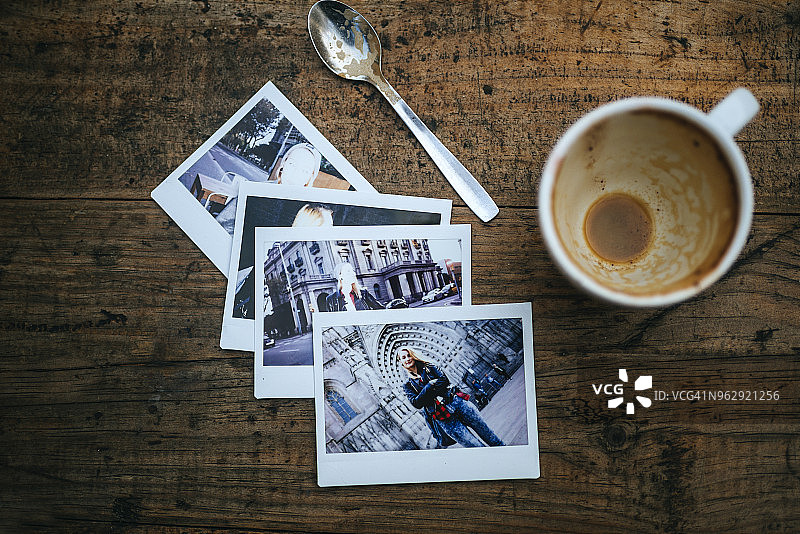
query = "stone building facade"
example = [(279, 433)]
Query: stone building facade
[(366, 408), (389, 269)]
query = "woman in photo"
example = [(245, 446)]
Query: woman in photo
[(350, 296), (313, 215), (299, 166), (449, 415)]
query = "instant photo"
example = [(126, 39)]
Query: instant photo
[(267, 141), (428, 395), (307, 271), (261, 205)]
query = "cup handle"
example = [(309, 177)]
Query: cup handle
[(735, 110)]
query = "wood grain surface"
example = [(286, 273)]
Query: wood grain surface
[(118, 411)]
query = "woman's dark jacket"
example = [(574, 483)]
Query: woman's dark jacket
[(335, 302), (422, 394)]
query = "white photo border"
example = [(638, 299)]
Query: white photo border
[(238, 333), (436, 465), (297, 381), (196, 222)]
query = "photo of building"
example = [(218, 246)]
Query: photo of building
[(398, 273)]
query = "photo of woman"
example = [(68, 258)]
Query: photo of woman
[(449, 415), (350, 296), (267, 141), (264, 146), (398, 381)]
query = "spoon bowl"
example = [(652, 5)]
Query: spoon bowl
[(345, 41), (349, 46)]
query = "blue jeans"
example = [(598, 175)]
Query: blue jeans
[(465, 414)]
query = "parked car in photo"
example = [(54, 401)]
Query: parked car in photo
[(268, 342), (396, 303), (449, 289), (431, 295)]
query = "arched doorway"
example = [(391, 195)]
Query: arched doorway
[(437, 343)]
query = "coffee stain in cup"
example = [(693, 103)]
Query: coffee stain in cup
[(618, 228)]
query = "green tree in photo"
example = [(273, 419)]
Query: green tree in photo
[(242, 137)]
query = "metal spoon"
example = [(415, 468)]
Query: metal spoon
[(349, 46)]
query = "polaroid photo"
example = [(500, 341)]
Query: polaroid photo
[(429, 395), (265, 205), (267, 141), (307, 271)]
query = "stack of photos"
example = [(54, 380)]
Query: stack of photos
[(359, 300)]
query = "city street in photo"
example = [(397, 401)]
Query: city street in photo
[(425, 395), (308, 271)]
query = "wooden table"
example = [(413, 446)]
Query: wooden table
[(120, 412)]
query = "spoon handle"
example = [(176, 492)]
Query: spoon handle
[(459, 177)]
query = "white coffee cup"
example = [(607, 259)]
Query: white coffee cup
[(648, 201)]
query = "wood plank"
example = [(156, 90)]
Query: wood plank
[(121, 409), (63, 264), (499, 83)]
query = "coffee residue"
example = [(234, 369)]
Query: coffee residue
[(618, 228)]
